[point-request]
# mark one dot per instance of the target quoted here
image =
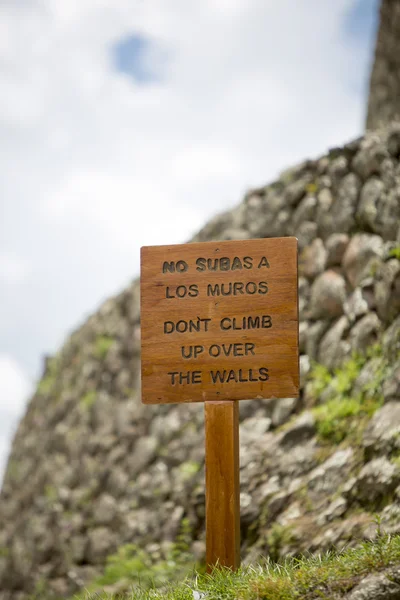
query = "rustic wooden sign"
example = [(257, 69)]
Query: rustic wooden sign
[(219, 323)]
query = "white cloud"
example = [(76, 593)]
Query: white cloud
[(95, 165), (13, 269)]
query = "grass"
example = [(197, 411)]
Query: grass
[(307, 578), (345, 415)]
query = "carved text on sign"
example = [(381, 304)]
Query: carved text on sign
[(219, 314)]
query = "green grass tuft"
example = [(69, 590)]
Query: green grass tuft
[(317, 576)]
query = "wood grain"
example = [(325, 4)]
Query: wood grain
[(246, 342), (222, 484)]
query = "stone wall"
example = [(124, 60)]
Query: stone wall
[(384, 94), (91, 468)]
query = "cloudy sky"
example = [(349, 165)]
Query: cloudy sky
[(131, 122)]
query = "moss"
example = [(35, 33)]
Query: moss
[(50, 493), (47, 382), (312, 188), (345, 415), (88, 400), (102, 345), (189, 468), (395, 253)]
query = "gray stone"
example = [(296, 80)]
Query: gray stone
[(391, 385), (314, 335), (302, 429), (341, 217), (383, 431), (387, 290), (333, 347), (368, 207), (377, 479), (144, 452), (378, 586), (356, 305), (313, 259), (336, 245), (105, 510), (362, 249), (101, 543), (282, 411), (328, 294), (365, 332)]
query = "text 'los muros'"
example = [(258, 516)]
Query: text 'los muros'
[(219, 320), (200, 325), (222, 264)]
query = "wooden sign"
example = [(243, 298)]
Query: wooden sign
[(219, 323)]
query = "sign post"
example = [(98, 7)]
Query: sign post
[(219, 323)]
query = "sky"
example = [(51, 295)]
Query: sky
[(131, 123)]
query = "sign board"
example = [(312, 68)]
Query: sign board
[(219, 321)]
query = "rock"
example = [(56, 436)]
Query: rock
[(342, 213), (391, 385), (356, 305), (101, 543), (365, 332), (313, 259), (333, 348), (301, 430), (387, 290), (369, 204), (328, 294), (383, 431), (326, 478), (361, 250), (282, 411), (368, 160), (336, 245), (335, 510), (144, 452), (376, 480), (378, 586), (105, 510), (315, 333)]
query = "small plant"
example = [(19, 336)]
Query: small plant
[(346, 413), (326, 576), (278, 537), (88, 400), (395, 253), (102, 345)]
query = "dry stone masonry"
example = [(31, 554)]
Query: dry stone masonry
[(92, 469), (384, 96)]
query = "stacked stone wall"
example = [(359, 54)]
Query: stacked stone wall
[(92, 469)]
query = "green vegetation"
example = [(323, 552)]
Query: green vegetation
[(88, 400), (345, 414), (47, 382), (132, 566), (278, 537), (102, 345), (189, 468), (395, 253), (311, 578)]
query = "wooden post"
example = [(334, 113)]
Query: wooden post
[(222, 484)]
